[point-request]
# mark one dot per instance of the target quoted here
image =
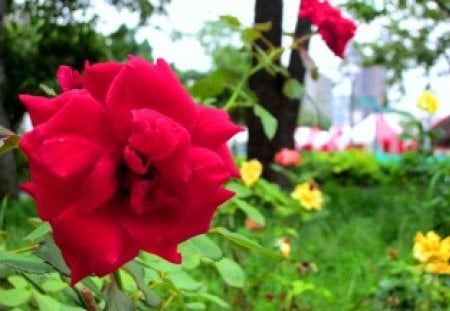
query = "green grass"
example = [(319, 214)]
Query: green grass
[(349, 247)]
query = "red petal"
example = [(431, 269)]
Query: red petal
[(98, 78), (97, 241), (141, 84), (100, 185), (224, 152), (68, 78), (41, 109), (83, 116), (213, 128)]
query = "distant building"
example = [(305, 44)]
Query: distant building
[(318, 98)]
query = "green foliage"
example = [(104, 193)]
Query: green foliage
[(352, 166), (404, 287), (413, 34)]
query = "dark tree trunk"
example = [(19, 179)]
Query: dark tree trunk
[(269, 91), (8, 172)]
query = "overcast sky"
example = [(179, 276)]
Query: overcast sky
[(188, 16)]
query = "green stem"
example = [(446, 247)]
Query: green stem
[(240, 86)]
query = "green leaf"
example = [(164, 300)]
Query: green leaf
[(182, 280), (232, 20), (18, 281), (269, 123), (195, 306), (8, 140), (293, 89), (231, 272), (138, 273), (47, 90), (206, 247), (250, 34), (116, 300), (244, 242), (54, 285), (215, 299), (157, 263), (25, 263), (39, 232), (51, 254), (46, 303), (14, 297), (240, 190), (250, 211)]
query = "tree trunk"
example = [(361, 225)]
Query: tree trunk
[(269, 91), (8, 171)]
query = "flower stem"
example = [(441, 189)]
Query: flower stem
[(88, 298), (240, 86)]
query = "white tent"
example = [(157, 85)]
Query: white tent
[(376, 127)]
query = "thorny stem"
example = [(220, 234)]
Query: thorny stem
[(88, 298)]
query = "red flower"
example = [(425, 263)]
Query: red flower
[(287, 157), (128, 162), (335, 30)]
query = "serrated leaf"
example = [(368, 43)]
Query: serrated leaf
[(116, 300), (293, 89), (24, 263), (14, 297), (268, 121), (231, 272), (8, 140), (51, 254), (195, 306), (138, 273), (250, 211), (206, 247), (39, 232), (182, 280), (245, 242)]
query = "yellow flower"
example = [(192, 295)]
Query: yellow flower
[(433, 251), (430, 248), (438, 267), (251, 172), (309, 195), (284, 244), (428, 102)]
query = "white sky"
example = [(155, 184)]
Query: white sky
[(188, 16)]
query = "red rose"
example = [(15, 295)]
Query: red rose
[(287, 157), (335, 30), (128, 162)]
